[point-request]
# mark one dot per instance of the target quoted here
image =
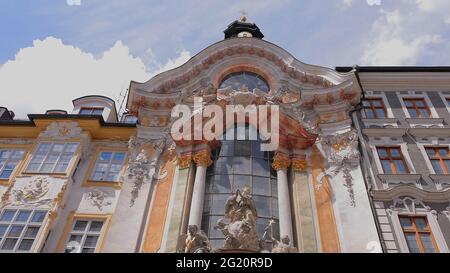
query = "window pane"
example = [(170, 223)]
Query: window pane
[(5, 154), (88, 250), (218, 203), (242, 165), (242, 148), (365, 103), (96, 226), (15, 231), (33, 167), (224, 165), (256, 149), (261, 185), (10, 165), (91, 241), (382, 152), (406, 222), (380, 113), (447, 163), (421, 223), (105, 156), (3, 230), (112, 177), (408, 103), (370, 113), (412, 242), (437, 166), (221, 184), (5, 174), (424, 113), (262, 205), (8, 215), (61, 167), (97, 176), (443, 153), (401, 168), (31, 232), (75, 238), (427, 243), (119, 157), (23, 216), (115, 168), (260, 167), (241, 181), (431, 152), (47, 168), (71, 147), (420, 103), (101, 167), (9, 244), (413, 113), (386, 166), (38, 216), (377, 103), (26, 244), (44, 147), (58, 147), (395, 153), (18, 154), (80, 225)]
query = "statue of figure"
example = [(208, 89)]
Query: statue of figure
[(283, 246), (196, 241), (240, 233)]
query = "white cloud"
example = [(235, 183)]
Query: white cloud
[(434, 5), (348, 2), (403, 36), (373, 2), (73, 2), (50, 74)]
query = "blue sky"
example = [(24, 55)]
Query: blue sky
[(52, 51)]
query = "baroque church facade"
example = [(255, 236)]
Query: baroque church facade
[(362, 165)]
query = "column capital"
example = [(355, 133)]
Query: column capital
[(299, 164), (281, 161), (184, 160), (202, 158)]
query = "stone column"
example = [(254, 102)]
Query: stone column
[(281, 163), (202, 159), (303, 207)]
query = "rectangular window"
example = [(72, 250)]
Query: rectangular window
[(19, 229), (440, 159), (418, 234), (9, 159), (52, 157), (374, 108), (91, 111), (84, 236), (392, 160), (417, 107), (108, 166)]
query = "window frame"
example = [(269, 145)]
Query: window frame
[(70, 163), (374, 108), (89, 182), (417, 108), (92, 110), (68, 229), (444, 167), (392, 159), (5, 181), (40, 225), (417, 232)]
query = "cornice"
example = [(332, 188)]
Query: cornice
[(405, 81), (406, 190)]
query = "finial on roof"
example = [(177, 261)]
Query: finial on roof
[(243, 16)]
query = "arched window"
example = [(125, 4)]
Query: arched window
[(249, 79), (240, 163)]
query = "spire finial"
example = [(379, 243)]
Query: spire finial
[(243, 16)]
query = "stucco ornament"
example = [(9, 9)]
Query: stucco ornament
[(240, 232), (342, 155), (142, 163), (242, 96), (62, 130), (195, 241), (98, 198), (34, 193)]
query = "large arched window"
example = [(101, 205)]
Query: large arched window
[(249, 79), (240, 163)]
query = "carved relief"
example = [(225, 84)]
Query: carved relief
[(202, 158), (98, 198), (342, 155), (62, 130), (281, 162), (144, 156), (34, 193)]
